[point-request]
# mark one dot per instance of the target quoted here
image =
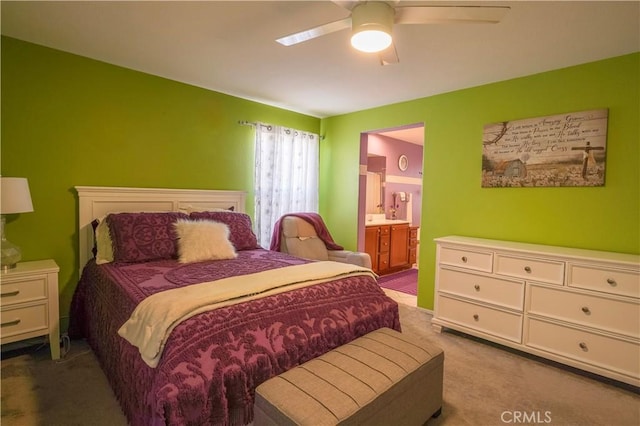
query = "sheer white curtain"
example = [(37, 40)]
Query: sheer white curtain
[(286, 176)]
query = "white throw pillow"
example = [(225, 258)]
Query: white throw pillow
[(104, 246), (200, 240)]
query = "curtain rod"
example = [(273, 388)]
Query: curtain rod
[(254, 124)]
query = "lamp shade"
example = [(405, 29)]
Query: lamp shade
[(371, 25), (15, 195)]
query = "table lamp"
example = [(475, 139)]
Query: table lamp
[(15, 198)]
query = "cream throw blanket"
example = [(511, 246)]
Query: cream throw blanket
[(156, 316)]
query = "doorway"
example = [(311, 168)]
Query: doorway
[(391, 169)]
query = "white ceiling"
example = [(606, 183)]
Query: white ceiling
[(229, 47)]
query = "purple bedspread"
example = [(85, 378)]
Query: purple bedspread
[(213, 361)]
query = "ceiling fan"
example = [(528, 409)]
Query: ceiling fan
[(371, 23)]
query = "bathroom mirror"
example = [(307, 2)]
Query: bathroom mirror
[(376, 166)]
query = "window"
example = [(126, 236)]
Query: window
[(286, 176)]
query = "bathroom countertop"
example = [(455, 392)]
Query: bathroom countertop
[(385, 222)]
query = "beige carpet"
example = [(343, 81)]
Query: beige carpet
[(483, 385)]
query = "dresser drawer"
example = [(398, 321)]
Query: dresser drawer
[(505, 325), (547, 271), (18, 291), (478, 260), (413, 256), (383, 262), (601, 351), (605, 314), (385, 242), (497, 291), (613, 281), (21, 320)]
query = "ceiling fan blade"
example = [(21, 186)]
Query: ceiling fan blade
[(389, 55), (347, 4), (312, 33), (450, 14)]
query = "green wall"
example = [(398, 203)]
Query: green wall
[(68, 120), (601, 218)]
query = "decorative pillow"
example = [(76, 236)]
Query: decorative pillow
[(241, 235), (200, 240), (104, 246), (140, 237)]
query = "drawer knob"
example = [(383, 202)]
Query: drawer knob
[(527, 269), (10, 323), (10, 293), (477, 287), (586, 310), (584, 346), (476, 317), (464, 259), (612, 282)]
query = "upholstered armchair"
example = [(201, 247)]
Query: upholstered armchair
[(305, 235)]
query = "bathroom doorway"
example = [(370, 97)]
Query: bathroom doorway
[(391, 168)]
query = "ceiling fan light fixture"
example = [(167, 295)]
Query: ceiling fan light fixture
[(371, 25), (371, 41)]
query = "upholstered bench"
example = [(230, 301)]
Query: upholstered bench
[(382, 378)]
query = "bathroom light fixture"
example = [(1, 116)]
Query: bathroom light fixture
[(15, 198), (371, 25)]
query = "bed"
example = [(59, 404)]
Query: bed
[(208, 363)]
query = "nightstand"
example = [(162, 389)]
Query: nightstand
[(29, 303)]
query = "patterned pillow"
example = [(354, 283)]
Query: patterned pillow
[(241, 235), (140, 237)]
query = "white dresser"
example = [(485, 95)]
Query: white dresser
[(29, 303), (577, 307)]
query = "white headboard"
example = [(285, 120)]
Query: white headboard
[(97, 201)]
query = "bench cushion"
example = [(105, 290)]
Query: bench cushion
[(384, 377)]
